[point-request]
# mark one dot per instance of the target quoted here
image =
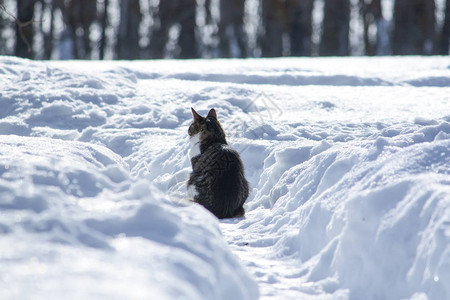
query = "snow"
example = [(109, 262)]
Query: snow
[(348, 161)]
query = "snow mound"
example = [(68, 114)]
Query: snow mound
[(348, 160), (71, 214)]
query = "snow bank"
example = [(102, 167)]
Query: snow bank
[(374, 219), (348, 160), (74, 224)]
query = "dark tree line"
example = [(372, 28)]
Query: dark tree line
[(133, 29)]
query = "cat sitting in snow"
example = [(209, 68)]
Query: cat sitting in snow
[(217, 181)]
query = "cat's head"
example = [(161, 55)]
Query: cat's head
[(206, 127)]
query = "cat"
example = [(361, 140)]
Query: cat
[(217, 180)]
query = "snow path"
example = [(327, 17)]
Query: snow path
[(348, 160)]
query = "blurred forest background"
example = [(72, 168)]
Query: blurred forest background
[(144, 29)]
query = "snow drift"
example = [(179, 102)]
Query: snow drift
[(348, 160), (73, 223)]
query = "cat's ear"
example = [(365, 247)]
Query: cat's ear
[(196, 116), (212, 113)]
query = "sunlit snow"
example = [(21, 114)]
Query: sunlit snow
[(348, 160)]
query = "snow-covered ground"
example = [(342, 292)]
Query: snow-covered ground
[(348, 161)]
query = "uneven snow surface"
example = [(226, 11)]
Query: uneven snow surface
[(348, 161)]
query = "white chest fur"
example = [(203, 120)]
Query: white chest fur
[(192, 191), (195, 145)]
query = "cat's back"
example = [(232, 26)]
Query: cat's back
[(220, 155)]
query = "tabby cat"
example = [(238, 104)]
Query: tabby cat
[(217, 181)]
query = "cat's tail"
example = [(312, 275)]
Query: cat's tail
[(239, 213)]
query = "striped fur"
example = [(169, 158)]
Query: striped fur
[(217, 172)]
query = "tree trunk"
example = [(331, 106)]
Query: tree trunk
[(89, 16), (48, 36), (79, 16), (300, 26), (24, 28), (336, 26), (274, 23), (188, 39), (2, 27), (208, 18), (163, 22), (175, 12), (231, 29), (128, 36), (414, 27), (104, 25), (445, 31), (65, 47), (371, 13)]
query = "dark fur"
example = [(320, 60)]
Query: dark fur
[(218, 172)]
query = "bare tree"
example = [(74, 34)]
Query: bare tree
[(445, 31), (372, 16), (2, 28), (335, 31), (78, 16), (231, 28), (170, 13), (48, 35), (207, 5), (84, 14), (286, 28), (187, 40), (274, 23), (127, 46), (104, 24), (414, 27), (24, 28), (300, 26)]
